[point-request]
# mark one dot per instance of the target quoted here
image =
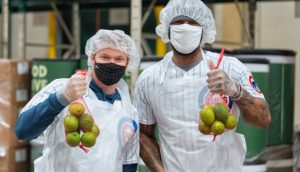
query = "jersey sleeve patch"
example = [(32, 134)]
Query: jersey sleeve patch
[(254, 84)]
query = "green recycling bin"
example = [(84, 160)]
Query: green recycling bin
[(83, 62), (46, 70), (281, 92), (256, 138)]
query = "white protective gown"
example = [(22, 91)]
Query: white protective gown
[(117, 144), (172, 98)]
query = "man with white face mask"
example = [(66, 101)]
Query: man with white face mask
[(170, 95), (106, 96)]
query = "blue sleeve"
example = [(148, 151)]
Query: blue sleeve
[(32, 122), (129, 168)]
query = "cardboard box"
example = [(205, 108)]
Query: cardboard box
[(8, 138), (14, 94), (15, 82), (10, 114), (8, 119), (14, 159)]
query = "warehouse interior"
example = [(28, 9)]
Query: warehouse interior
[(45, 40)]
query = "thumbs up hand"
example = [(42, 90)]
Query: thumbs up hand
[(219, 82), (75, 87)]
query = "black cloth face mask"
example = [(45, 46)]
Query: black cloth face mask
[(109, 73)]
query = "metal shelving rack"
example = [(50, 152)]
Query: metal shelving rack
[(137, 20), (73, 49)]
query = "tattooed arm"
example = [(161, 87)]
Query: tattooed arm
[(254, 110), (149, 148)]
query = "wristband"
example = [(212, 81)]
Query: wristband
[(238, 95)]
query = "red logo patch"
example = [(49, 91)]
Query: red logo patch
[(254, 84)]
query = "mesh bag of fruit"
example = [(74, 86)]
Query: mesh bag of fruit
[(80, 127), (215, 116)]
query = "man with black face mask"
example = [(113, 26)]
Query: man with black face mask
[(171, 93), (105, 95)]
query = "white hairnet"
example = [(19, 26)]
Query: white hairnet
[(194, 9), (115, 39)]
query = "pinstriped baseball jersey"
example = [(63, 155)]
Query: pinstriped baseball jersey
[(149, 81), (171, 97), (130, 153)]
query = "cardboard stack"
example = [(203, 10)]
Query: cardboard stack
[(14, 94), (14, 159)]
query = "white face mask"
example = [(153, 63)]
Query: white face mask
[(185, 38)]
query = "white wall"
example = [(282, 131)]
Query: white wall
[(277, 27), (36, 32), (228, 24)]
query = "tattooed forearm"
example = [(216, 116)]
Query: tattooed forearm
[(254, 110), (150, 149)]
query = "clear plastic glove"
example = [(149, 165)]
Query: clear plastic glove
[(75, 87), (219, 82)]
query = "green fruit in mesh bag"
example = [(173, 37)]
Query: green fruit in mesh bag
[(77, 109), (70, 123), (207, 115), (218, 128), (204, 128), (231, 122), (221, 111), (86, 122), (95, 130), (73, 139), (88, 139)]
